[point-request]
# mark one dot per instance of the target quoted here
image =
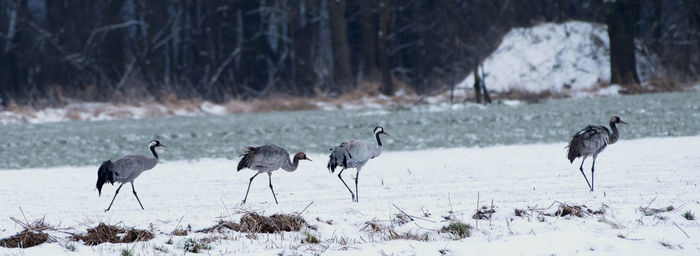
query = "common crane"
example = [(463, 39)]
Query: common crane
[(268, 158), (126, 169), (590, 142), (355, 154)]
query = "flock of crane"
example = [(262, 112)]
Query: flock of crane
[(590, 141)]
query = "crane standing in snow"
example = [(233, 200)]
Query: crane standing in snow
[(126, 169), (268, 158), (355, 154), (590, 142)]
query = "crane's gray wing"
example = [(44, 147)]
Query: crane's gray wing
[(350, 154), (129, 167), (588, 141), (264, 158)]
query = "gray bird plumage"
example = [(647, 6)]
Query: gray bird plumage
[(591, 141), (355, 154), (126, 169), (268, 158)]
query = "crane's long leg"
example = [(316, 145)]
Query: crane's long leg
[(269, 175), (137, 196), (584, 174), (346, 185), (357, 193), (593, 174), (251, 181), (115, 196)]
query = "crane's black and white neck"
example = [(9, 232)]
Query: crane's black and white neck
[(153, 145), (379, 130), (613, 126)]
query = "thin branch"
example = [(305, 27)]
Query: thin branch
[(412, 216), (107, 28), (126, 73), (222, 67), (686, 234), (302, 211)]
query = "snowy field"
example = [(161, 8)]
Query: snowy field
[(647, 173)]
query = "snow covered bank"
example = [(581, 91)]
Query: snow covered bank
[(572, 56), (653, 172), (93, 111)]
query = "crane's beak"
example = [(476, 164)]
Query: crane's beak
[(386, 134), (622, 122), (307, 158), (163, 145)]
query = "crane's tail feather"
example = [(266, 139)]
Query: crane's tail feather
[(573, 152), (104, 175), (247, 157), (337, 158)]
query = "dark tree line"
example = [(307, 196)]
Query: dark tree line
[(131, 50)]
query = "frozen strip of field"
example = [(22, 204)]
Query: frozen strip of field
[(630, 175)]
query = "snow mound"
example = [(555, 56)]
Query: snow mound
[(548, 57)]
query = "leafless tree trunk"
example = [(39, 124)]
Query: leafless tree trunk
[(341, 52), (477, 84), (384, 16), (621, 19), (369, 36)]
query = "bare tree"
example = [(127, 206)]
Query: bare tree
[(621, 20)]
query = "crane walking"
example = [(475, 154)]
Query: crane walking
[(126, 169), (355, 154), (268, 158), (590, 142)]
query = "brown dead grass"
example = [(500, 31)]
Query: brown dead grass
[(389, 233), (25, 239), (105, 233), (577, 211), (32, 235), (220, 227), (180, 232), (484, 213), (255, 223)]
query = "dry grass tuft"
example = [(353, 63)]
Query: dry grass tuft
[(576, 210), (402, 218), (255, 223), (484, 213), (653, 211), (310, 239), (220, 227), (458, 229), (389, 233), (521, 213), (180, 232), (563, 210), (688, 215), (104, 233), (569, 210), (25, 239), (32, 235), (134, 235)]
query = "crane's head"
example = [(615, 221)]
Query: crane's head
[(156, 143), (616, 120), (379, 130), (301, 156)]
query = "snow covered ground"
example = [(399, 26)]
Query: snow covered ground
[(571, 56), (649, 172)]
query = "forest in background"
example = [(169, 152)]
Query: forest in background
[(136, 50)]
